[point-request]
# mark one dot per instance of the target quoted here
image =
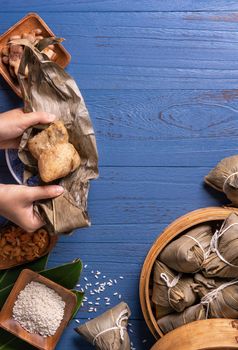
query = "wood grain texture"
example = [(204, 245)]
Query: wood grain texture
[(160, 81), (120, 6), (137, 50)]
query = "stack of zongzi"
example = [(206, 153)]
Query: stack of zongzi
[(183, 294)]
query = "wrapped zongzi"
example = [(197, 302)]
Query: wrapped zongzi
[(222, 302), (224, 178), (188, 252), (203, 285), (171, 291), (108, 331), (223, 258), (172, 321)]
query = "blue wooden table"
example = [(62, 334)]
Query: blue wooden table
[(160, 81)]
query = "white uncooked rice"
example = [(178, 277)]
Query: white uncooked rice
[(39, 309)]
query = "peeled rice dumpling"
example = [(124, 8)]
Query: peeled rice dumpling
[(108, 331), (187, 253), (223, 258), (172, 321), (56, 156), (224, 178), (222, 302), (171, 291)]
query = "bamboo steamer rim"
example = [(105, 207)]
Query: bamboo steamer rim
[(181, 224), (201, 335)]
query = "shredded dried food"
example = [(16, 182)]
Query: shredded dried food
[(39, 309), (19, 245)]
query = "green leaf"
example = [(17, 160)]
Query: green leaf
[(79, 296), (66, 275), (10, 342), (10, 276)]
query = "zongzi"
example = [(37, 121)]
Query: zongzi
[(50, 89), (108, 331), (223, 258), (222, 302), (224, 178), (188, 252), (56, 156), (203, 285), (171, 291), (172, 321)]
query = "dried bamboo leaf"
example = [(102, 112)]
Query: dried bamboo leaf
[(49, 88)]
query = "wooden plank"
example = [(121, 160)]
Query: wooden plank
[(137, 50), (160, 128), (120, 6)]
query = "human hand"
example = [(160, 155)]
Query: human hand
[(13, 123), (16, 203)]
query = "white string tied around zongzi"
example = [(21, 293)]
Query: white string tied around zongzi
[(205, 254), (214, 243), (122, 317), (169, 284), (209, 297), (228, 177)]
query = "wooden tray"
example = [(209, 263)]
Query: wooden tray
[(7, 264), (174, 229), (219, 334), (25, 25), (9, 324)]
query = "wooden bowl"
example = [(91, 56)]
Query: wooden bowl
[(9, 324), (7, 264), (219, 334), (25, 25), (173, 230)]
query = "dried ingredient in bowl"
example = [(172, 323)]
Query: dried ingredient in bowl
[(39, 309), (172, 321), (223, 258), (187, 253), (19, 245), (224, 178), (108, 331), (171, 291), (56, 156), (12, 53)]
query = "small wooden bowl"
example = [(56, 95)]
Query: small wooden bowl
[(9, 324), (173, 230), (8, 264), (25, 25), (209, 334)]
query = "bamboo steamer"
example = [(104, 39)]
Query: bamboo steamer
[(178, 226), (217, 333)]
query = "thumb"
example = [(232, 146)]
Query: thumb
[(44, 192), (33, 118)]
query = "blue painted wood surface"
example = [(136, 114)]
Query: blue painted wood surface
[(160, 81)]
